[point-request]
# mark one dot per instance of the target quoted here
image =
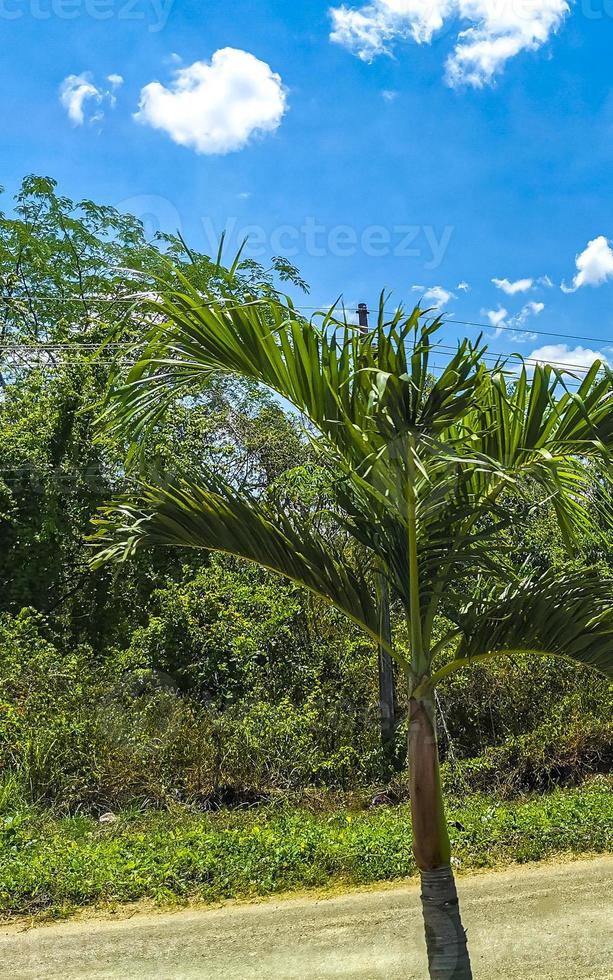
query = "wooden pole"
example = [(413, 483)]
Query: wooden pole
[(363, 317), (387, 692)]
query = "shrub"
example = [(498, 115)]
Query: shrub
[(524, 724), (77, 736), (81, 735), (550, 756)]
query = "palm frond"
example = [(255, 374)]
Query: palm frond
[(210, 515), (567, 615), (361, 393), (459, 447)]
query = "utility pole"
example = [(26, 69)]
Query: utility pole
[(363, 317), (387, 693)]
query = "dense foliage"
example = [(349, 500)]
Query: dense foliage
[(184, 678)]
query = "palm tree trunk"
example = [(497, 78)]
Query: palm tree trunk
[(445, 937)]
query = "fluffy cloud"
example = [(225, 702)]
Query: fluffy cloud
[(594, 265), (578, 358), (78, 94), (501, 321), (436, 296), (511, 288), (530, 309), (498, 30), (216, 107), (496, 317)]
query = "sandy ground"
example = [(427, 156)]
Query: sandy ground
[(530, 923)]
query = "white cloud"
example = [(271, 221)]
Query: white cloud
[(594, 265), (501, 321), (216, 107), (366, 33), (463, 286), (389, 95), (78, 94), (498, 30), (511, 288), (532, 309), (578, 358), (518, 321), (437, 296), (496, 317)]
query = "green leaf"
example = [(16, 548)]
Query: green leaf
[(567, 615), (212, 516)]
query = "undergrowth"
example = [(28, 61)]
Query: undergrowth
[(53, 866)]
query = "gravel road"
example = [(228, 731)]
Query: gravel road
[(539, 922)]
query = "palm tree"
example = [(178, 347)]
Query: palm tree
[(429, 474)]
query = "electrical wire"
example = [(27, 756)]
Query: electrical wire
[(447, 350), (131, 300)]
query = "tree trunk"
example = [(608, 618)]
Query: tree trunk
[(387, 706), (445, 937), (387, 693)]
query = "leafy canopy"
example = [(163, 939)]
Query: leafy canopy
[(427, 471), (72, 274)]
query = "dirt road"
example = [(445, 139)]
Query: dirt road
[(531, 923)]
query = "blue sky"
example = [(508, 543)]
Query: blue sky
[(395, 154)]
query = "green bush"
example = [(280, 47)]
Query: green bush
[(525, 724), (82, 735), (550, 756), (231, 631), (222, 632), (47, 726), (77, 736), (509, 697)]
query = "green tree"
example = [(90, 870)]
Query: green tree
[(74, 271), (429, 472), (71, 277)]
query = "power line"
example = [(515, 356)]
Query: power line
[(92, 298), (574, 385), (58, 298), (537, 333), (119, 362), (73, 347), (498, 356), (323, 309)]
